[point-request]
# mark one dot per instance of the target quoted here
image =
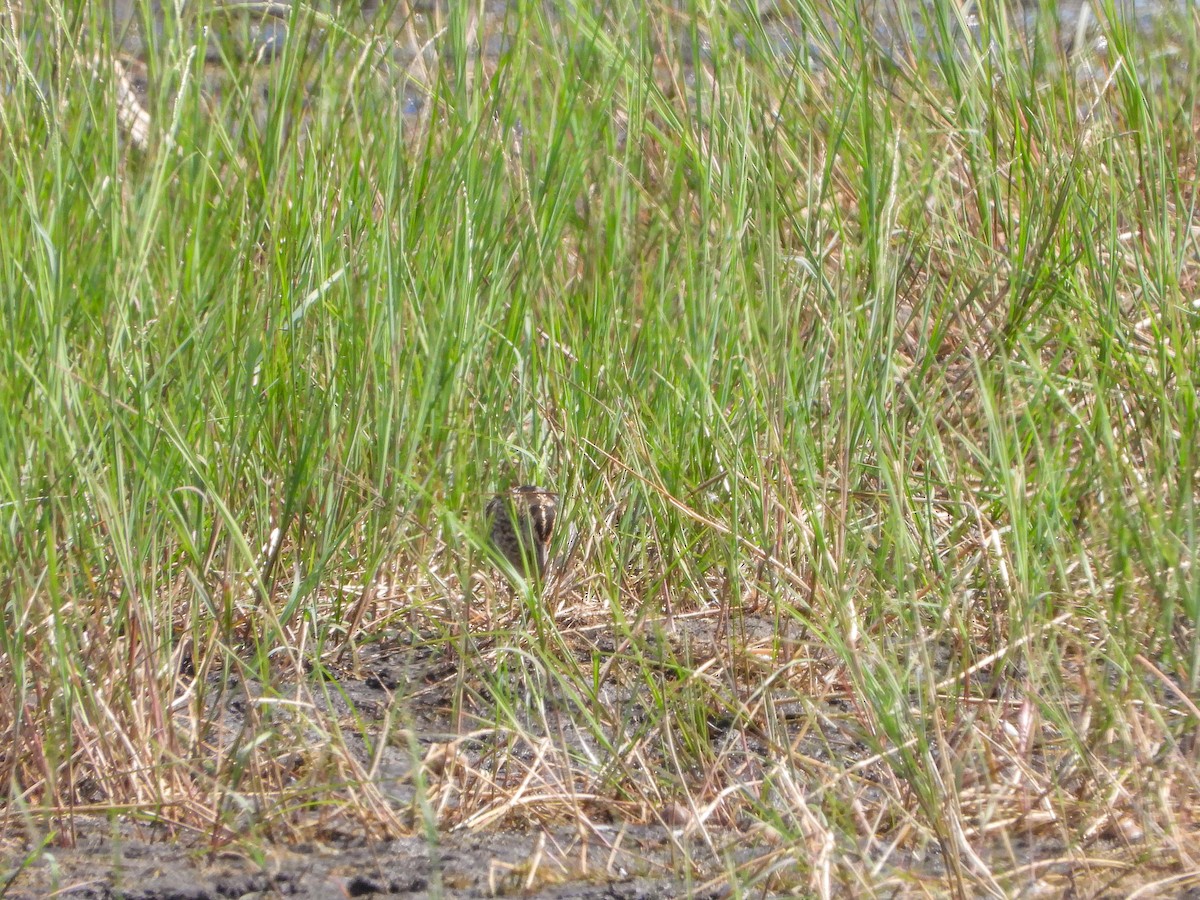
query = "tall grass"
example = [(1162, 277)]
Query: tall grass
[(863, 367)]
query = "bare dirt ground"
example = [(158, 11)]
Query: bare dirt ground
[(543, 865), (402, 679), (529, 804)]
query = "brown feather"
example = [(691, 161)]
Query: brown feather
[(522, 523)]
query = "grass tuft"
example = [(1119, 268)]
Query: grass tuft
[(860, 351)]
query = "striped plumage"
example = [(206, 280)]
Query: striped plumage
[(521, 523)]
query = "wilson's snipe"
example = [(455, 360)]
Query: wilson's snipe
[(522, 521)]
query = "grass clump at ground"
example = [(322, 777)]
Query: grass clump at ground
[(863, 366)]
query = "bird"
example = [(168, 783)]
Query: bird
[(521, 524)]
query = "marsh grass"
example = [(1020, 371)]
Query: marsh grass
[(863, 367)]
